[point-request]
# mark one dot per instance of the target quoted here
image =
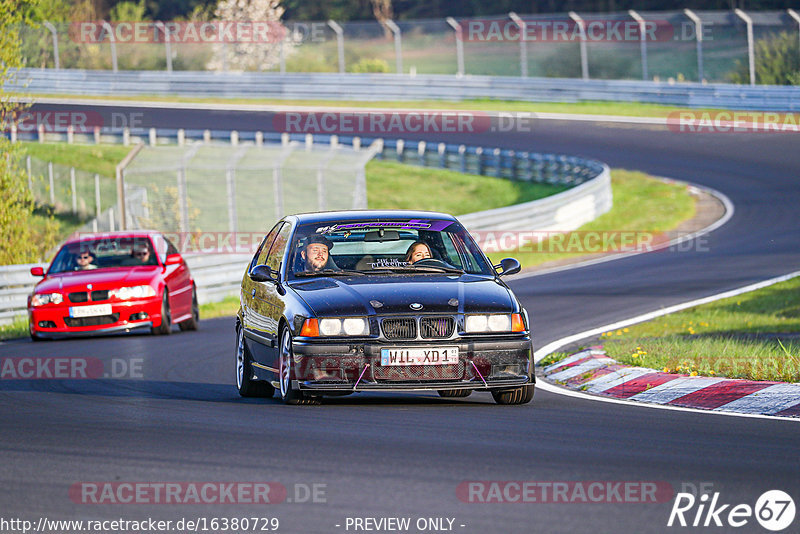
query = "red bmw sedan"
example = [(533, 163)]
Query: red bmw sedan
[(113, 282)]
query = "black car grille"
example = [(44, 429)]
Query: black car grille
[(403, 373), (91, 321), (83, 296), (399, 328), (436, 327), (101, 294), (79, 296)]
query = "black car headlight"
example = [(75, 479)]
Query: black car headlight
[(494, 323), (336, 326)]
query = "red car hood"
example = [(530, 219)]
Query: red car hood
[(99, 278)]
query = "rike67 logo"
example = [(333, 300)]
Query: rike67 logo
[(774, 510)]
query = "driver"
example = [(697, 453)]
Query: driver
[(419, 250), (315, 254)]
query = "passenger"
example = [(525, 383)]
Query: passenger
[(419, 250), (140, 255), (315, 254)]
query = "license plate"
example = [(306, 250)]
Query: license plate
[(420, 356), (90, 311)]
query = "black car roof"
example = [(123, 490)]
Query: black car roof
[(369, 215)]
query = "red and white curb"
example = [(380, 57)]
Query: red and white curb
[(592, 371)]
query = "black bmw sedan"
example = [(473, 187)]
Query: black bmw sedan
[(340, 302)]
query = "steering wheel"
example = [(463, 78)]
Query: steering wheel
[(431, 262)]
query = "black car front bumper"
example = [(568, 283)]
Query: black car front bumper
[(486, 363)]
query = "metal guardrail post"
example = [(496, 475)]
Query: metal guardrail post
[(113, 41), (167, 47), (339, 43), (750, 52), (523, 44), (698, 29), (642, 40), (398, 44), (796, 17), (53, 30), (584, 56), (459, 44)]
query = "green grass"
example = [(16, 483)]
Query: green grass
[(224, 308), (100, 159), (641, 204), (393, 185), (626, 109), (17, 328), (747, 336)]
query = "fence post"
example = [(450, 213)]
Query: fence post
[(584, 57), (113, 42), (40, 133), (523, 45), (28, 168), (462, 158), (120, 175), (53, 30), (309, 142), (259, 138), (52, 183), (167, 47), (400, 148), (111, 219), (181, 137), (206, 136), (97, 135), (442, 148), (153, 137), (421, 147), (74, 188), (479, 154), (126, 136), (339, 43), (750, 53), (642, 40), (234, 138), (13, 132), (356, 143), (698, 29), (398, 44), (796, 17), (459, 44), (70, 134), (498, 162), (97, 208)]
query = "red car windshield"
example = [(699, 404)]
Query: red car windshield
[(118, 252)]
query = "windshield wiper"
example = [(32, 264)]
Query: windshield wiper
[(329, 272)]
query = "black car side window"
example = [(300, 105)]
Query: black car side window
[(278, 248), (265, 245)]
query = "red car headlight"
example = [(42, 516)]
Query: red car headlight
[(132, 292), (40, 299)]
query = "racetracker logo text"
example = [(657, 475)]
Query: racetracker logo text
[(573, 491), (177, 493)]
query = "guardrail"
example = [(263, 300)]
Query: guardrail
[(377, 87), (219, 275)]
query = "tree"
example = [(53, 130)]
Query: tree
[(251, 53), (776, 60), (20, 240)]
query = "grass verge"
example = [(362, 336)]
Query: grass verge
[(392, 185), (752, 336), (623, 109), (641, 204)]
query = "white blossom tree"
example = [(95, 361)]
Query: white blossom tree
[(250, 34)]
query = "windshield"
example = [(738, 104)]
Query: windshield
[(385, 246), (91, 254)]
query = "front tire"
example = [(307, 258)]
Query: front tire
[(520, 395), (193, 322), (289, 395), (244, 383), (165, 328)]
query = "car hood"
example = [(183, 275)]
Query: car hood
[(365, 295), (99, 278)]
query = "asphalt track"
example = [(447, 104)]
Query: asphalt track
[(386, 455)]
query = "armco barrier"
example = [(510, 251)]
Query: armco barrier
[(375, 87)]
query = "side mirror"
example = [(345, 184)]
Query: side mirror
[(173, 259), (37, 271), (262, 273), (508, 266)]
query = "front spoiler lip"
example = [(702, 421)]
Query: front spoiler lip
[(100, 332), (413, 386)]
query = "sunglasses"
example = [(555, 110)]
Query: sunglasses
[(145, 253)]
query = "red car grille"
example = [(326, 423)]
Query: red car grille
[(83, 296)]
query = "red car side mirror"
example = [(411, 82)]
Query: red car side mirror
[(173, 259), (37, 271)]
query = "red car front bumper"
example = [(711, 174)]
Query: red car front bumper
[(56, 321)]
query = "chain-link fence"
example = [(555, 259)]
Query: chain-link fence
[(240, 188), (90, 197), (683, 45)]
